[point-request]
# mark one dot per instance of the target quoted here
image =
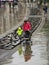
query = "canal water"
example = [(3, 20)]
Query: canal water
[(40, 50)]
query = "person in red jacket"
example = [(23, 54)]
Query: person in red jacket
[(26, 28)]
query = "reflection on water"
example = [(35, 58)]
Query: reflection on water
[(10, 20), (39, 49)]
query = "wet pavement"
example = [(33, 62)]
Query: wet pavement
[(40, 50), (39, 55)]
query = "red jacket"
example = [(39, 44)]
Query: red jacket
[(27, 26)]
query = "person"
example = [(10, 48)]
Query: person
[(45, 8), (26, 28), (19, 32)]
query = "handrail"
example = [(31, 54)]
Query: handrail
[(37, 23), (16, 40)]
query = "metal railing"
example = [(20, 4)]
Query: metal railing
[(10, 40)]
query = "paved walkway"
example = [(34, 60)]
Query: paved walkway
[(48, 14), (39, 49)]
